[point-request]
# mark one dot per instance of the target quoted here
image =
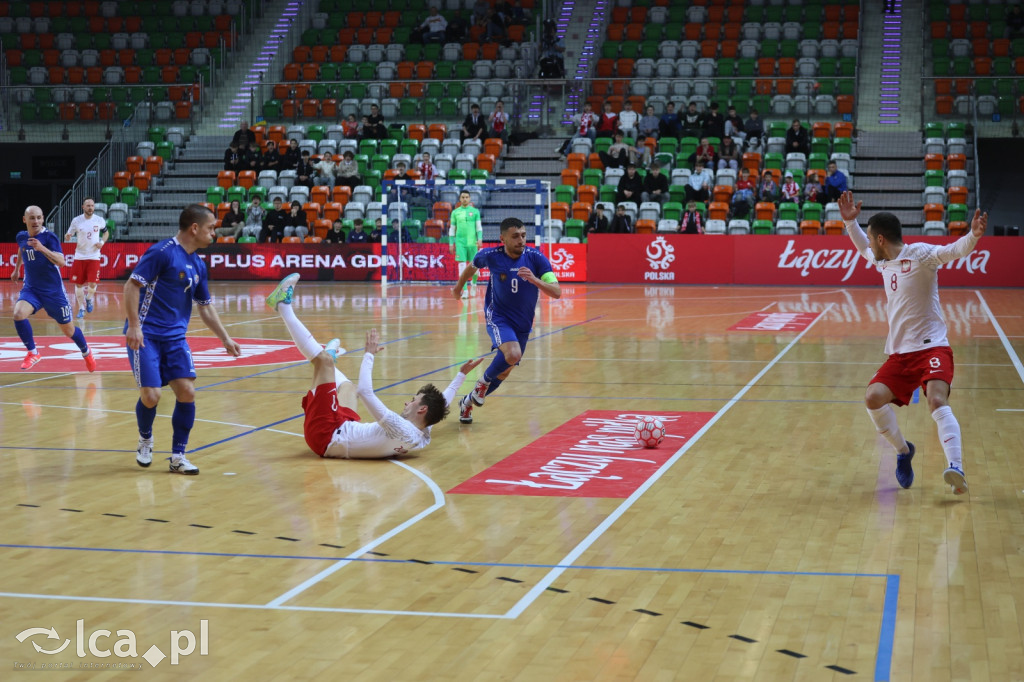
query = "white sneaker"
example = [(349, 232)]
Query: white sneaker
[(144, 453), (465, 292), (181, 465), (479, 392), (334, 349)]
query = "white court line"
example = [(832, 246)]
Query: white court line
[(773, 303), (32, 381), (595, 534), (1002, 336), (161, 416), (1007, 409), (262, 607), (439, 502)]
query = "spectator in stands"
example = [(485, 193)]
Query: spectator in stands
[(790, 190), (631, 185), (358, 235), (399, 230), (691, 121), (552, 61), (498, 120), (796, 139), (350, 127), (243, 135), (584, 124), (457, 29), (655, 185), (254, 215), (598, 221), (734, 127), (475, 126), (713, 123), (233, 221), (698, 186), (619, 154), (432, 30), (767, 190), (495, 31), (692, 222), (336, 235), (516, 14), (377, 231), (480, 8), (1014, 22), (373, 125), (621, 222), (668, 126), (607, 122), (743, 198), (813, 189), (629, 120), (251, 156), (232, 159), (274, 223), (728, 154), (272, 159), (643, 153), (296, 224), (426, 167), (347, 172), (648, 125), (326, 171), (835, 183), (305, 170), (754, 130), (291, 157), (705, 153)]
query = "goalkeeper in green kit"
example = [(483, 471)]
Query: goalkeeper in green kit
[(467, 234)]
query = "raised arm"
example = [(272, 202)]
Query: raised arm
[(849, 210), (364, 388)]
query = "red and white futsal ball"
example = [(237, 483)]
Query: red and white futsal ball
[(649, 432)]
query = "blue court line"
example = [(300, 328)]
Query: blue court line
[(887, 633), (246, 433), (916, 397), (25, 447)]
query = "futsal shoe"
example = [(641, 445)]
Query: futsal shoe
[(181, 465), (904, 472), (81, 314), (466, 410), (283, 292), (334, 349), (90, 361), (465, 292), (31, 359), (88, 305), (478, 393), (954, 476), (144, 453)]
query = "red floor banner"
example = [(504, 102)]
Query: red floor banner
[(592, 455)]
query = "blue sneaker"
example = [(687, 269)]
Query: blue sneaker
[(904, 472), (88, 305), (81, 314), (954, 476), (282, 293), (334, 349)]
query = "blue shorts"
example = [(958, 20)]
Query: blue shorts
[(54, 303), (161, 361), (501, 332)]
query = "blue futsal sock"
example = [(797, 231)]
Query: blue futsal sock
[(182, 419), (79, 338), (24, 328), (144, 416), (497, 366), (492, 386)]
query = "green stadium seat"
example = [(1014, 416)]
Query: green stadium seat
[(246, 239), (130, 196), (956, 212), (108, 195), (934, 178), (214, 195), (258, 191), (811, 210), (672, 210), (574, 227), (236, 193), (165, 150), (789, 211), (762, 227), (607, 193), (157, 134)]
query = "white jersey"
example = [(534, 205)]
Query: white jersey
[(391, 434), (911, 283), (87, 231)]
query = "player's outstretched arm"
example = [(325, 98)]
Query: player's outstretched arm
[(550, 286), (212, 320), (979, 223), (849, 210), (469, 365), (463, 278)]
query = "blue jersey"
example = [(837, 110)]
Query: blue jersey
[(42, 276), (171, 279), (509, 297)]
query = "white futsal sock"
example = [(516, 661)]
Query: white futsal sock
[(304, 341), (888, 427), (949, 434)]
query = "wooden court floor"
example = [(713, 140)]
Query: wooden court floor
[(771, 544)]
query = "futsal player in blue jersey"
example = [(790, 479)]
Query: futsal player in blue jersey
[(158, 303), (39, 250), (518, 274)]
